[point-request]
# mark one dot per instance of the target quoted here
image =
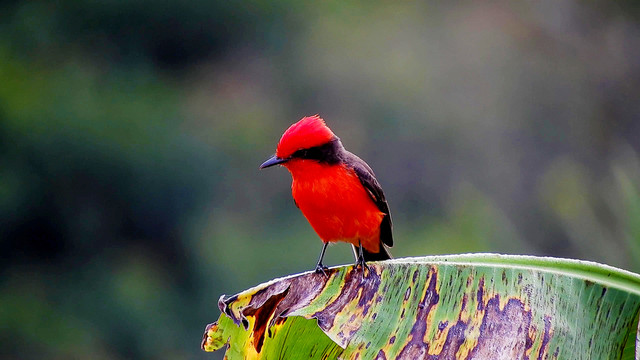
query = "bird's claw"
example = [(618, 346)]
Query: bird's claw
[(321, 269), (362, 264)]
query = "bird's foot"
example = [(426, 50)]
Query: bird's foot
[(321, 269), (362, 264)]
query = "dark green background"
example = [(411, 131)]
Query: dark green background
[(131, 134)]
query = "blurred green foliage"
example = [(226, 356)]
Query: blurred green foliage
[(131, 133)]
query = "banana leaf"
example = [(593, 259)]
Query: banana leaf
[(470, 306)]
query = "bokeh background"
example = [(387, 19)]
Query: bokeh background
[(131, 134)]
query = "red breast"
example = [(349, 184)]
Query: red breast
[(335, 203)]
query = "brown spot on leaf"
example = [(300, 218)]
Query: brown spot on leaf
[(545, 337), (305, 292), (381, 355), (455, 338), (280, 320), (416, 347), (503, 333), (480, 294), (529, 341), (442, 325), (464, 304), (415, 276), (262, 315)]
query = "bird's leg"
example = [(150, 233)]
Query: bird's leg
[(320, 268), (360, 261)]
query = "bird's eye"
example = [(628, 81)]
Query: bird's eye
[(300, 153)]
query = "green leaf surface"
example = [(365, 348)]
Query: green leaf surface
[(472, 306)]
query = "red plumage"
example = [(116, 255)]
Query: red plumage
[(335, 203), (310, 131)]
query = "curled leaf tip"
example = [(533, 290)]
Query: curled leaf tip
[(213, 339)]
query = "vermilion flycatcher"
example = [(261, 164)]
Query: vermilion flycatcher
[(335, 190)]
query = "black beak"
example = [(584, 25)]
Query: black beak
[(274, 160)]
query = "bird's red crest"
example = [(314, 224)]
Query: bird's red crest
[(310, 131)]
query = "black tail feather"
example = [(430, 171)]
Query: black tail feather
[(383, 254)]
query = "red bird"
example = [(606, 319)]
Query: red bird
[(335, 190)]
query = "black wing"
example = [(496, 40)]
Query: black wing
[(369, 181)]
